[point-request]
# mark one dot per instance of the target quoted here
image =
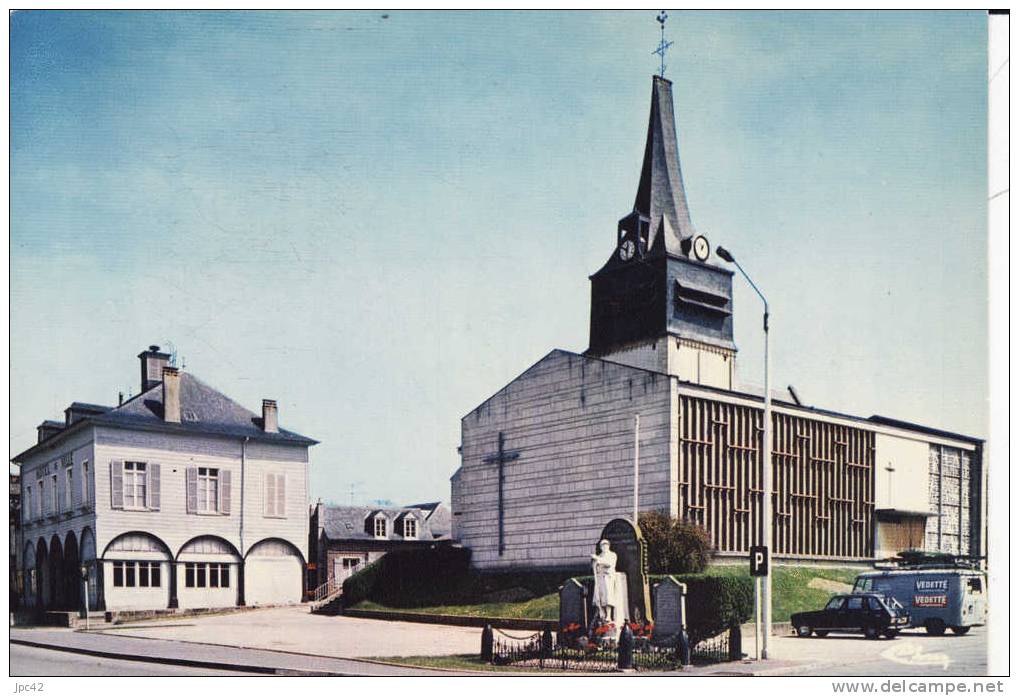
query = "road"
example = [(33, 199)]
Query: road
[(39, 662), (913, 653)]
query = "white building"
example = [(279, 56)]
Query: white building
[(179, 497)]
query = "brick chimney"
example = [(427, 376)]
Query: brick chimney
[(171, 394), (270, 419), (153, 361)]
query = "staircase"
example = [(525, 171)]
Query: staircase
[(327, 599)]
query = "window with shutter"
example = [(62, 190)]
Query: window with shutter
[(55, 505), (281, 495), (69, 488)]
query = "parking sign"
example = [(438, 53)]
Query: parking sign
[(758, 561)]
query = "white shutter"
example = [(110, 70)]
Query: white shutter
[(269, 495), (153, 487), (117, 484), (281, 495), (192, 489), (223, 504)]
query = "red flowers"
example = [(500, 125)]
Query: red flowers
[(604, 628), (642, 630)]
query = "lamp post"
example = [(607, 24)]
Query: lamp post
[(84, 579), (766, 459)]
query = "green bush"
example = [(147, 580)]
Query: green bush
[(409, 578), (714, 604), (361, 585), (674, 546)]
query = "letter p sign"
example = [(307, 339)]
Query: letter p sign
[(758, 561)]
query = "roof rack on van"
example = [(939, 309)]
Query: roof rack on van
[(927, 560)]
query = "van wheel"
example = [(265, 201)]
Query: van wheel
[(935, 627), (803, 631), (871, 633), (820, 634), (960, 630)]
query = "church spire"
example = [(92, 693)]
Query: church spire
[(660, 195)]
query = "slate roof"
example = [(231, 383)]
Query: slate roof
[(347, 522), (660, 194), (204, 410)]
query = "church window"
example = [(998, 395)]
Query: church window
[(410, 528), (380, 527)]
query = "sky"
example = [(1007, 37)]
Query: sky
[(381, 218)]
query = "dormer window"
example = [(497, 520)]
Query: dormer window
[(380, 527), (410, 528)]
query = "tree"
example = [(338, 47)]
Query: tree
[(674, 545)]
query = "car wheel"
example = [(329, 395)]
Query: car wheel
[(803, 631), (960, 630), (820, 634), (871, 633), (891, 634), (935, 627)]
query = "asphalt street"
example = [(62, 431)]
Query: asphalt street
[(913, 653)]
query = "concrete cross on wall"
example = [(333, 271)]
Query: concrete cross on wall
[(500, 458)]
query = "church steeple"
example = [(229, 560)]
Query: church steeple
[(659, 302), (660, 194)]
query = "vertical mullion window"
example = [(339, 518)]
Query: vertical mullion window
[(84, 482), (143, 574), (200, 569), (213, 575), (189, 575), (208, 489), (224, 575), (154, 579), (54, 507), (118, 574), (69, 487), (129, 574)]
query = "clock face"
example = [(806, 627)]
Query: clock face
[(627, 249), (701, 249)]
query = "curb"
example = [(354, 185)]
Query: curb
[(180, 661)]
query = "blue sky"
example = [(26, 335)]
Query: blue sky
[(381, 221)]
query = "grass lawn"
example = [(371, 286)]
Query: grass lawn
[(790, 594)]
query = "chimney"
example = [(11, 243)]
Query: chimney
[(171, 394), (270, 420), (153, 362)]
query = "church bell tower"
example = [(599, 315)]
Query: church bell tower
[(661, 302)]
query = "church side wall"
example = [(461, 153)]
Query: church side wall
[(823, 481), (570, 421)]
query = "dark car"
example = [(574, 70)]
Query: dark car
[(868, 613)]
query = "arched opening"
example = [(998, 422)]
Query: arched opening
[(87, 555), (29, 582), (42, 575), (208, 573), (136, 569), (273, 573), (72, 574), (56, 578)]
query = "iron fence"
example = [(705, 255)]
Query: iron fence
[(546, 651)]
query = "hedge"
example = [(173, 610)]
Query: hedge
[(409, 578)]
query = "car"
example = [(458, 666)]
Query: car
[(869, 613)]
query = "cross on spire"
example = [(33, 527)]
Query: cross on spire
[(663, 45)]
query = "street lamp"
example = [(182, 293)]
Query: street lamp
[(84, 579), (766, 464)]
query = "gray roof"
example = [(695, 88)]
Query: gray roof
[(660, 194), (204, 410), (346, 522)]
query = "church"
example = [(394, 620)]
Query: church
[(548, 459)]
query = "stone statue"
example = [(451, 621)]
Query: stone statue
[(607, 600)]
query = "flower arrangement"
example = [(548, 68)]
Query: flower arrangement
[(642, 630), (604, 628)]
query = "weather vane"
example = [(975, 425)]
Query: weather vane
[(664, 45)]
